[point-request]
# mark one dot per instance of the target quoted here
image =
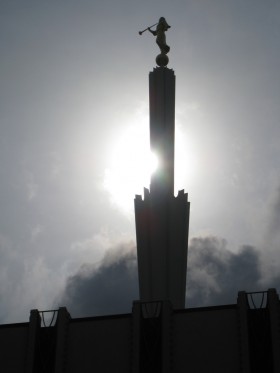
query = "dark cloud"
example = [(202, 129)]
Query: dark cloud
[(215, 275), (107, 289)]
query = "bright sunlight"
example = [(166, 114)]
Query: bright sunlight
[(131, 163)]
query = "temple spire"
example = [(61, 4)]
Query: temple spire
[(162, 220)]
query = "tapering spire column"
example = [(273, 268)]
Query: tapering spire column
[(162, 128), (162, 220)]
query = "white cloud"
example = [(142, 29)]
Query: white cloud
[(31, 185), (36, 231)]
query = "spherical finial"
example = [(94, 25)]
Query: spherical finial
[(162, 60)]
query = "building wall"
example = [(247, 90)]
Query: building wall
[(102, 343), (206, 338), (153, 338), (13, 343)]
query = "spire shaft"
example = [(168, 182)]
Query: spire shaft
[(162, 128), (162, 220)]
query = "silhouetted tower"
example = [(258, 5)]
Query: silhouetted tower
[(162, 220)]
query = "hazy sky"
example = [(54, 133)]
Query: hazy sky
[(74, 132)]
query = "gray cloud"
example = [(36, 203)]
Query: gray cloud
[(63, 105), (271, 240), (215, 275), (108, 288), (274, 219)]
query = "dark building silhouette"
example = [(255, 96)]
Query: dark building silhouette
[(162, 220), (160, 334)]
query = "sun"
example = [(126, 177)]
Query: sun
[(131, 164), (186, 159)]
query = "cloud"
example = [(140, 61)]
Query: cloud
[(105, 289), (271, 240), (26, 282), (31, 185), (215, 275), (275, 216), (36, 231)]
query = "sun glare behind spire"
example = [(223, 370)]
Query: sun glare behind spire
[(131, 164)]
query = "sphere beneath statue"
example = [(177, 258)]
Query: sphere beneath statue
[(162, 60)]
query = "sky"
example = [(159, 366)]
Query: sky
[(74, 143)]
